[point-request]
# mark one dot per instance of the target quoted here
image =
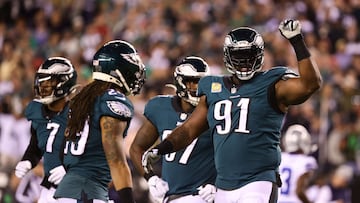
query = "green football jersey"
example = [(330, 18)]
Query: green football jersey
[(189, 168), (85, 157), (245, 127), (49, 129)]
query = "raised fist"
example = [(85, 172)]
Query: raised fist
[(290, 28)]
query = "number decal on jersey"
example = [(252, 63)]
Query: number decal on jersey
[(79, 147), (113, 92), (185, 156), (285, 177), (54, 128), (222, 112)]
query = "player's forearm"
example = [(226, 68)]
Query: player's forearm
[(121, 176), (136, 155), (308, 69), (32, 152), (122, 180), (180, 138)]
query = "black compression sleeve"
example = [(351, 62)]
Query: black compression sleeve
[(300, 48), (126, 195), (165, 147), (149, 175), (33, 153)]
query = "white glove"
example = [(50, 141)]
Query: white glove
[(56, 175), (207, 192), (290, 28), (22, 168), (157, 187), (149, 157)]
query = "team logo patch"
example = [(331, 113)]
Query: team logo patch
[(215, 87), (119, 108)]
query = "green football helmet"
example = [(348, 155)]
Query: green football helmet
[(118, 62), (243, 52), (191, 68), (55, 79)]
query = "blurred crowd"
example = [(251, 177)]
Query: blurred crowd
[(164, 31)]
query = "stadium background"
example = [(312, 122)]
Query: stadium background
[(164, 31)]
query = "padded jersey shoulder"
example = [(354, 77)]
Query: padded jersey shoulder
[(115, 104), (33, 110), (157, 105), (280, 71), (158, 101)]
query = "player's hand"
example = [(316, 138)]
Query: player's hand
[(56, 175), (148, 158), (207, 192), (157, 187), (290, 28), (22, 168)]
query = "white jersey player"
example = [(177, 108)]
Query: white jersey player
[(296, 165)]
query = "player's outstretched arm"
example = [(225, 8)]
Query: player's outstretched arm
[(183, 135), (298, 90)]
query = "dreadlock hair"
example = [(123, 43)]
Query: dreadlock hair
[(82, 105)]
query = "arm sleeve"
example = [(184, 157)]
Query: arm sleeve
[(33, 153)]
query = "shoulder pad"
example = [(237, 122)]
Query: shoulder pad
[(158, 100), (33, 110), (119, 108), (116, 104)]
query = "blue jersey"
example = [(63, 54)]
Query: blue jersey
[(86, 156), (189, 168), (245, 127), (49, 128)]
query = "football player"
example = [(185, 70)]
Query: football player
[(55, 81), (245, 112), (189, 174), (98, 121), (296, 167)]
